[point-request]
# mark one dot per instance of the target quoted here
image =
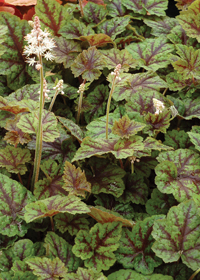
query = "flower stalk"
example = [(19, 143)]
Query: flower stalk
[(59, 88), (116, 78), (39, 46)]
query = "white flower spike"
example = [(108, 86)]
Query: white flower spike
[(159, 105)]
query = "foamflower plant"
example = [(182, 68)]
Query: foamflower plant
[(39, 45)]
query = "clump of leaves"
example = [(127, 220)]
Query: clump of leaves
[(116, 180)]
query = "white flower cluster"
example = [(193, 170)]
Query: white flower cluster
[(59, 87), (81, 88), (116, 72), (39, 44), (159, 105)]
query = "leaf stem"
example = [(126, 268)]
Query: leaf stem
[(20, 178), (165, 91), (38, 148), (81, 8), (52, 224), (194, 274)]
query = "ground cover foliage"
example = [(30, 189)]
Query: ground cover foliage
[(116, 198)]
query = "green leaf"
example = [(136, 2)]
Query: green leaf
[(128, 274), (14, 159), (59, 248), (72, 223), (178, 173), (105, 177), (97, 128), (52, 15), (188, 64), (162, 26), (135, 247), (88, 64), (189, 20), (98, 99), (86, 274), (156, 123), (66, 51), (29, 123), (75, 181), (74, 29), (126, 128), (178, 235), (159, 203), (14, 136), (47, 269), (103, 215), (52, 184), (12, 61), (115, 8), (73, 128), (94, 13), (114, 57), (153, 7), (13, 198), (151, 54), (121, 148), (140, 82), (97, 40), (53, 205), (25, 275), (136, 191), (114, 26), (176, 81), (194, 138), (177, 139), (96, 246)]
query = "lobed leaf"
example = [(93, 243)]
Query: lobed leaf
[(135, 247), (114, 57), (162, 26), (66, 51), (177, 139), (140, 82), (61, 249), (94, 13), (136, 191), (194, 138), (72, 223), (178, 173), (72, 127), (121, 148), (115, 8), (88, 64), (128, 274), (29, 123), (177, 236), (47, 269), (75, 181), (13, 198), (53, 205), (86, 274), (12, 61), (189, 19), (152, 7), (189, 62), (151, 54), (74, 29), (96, 247), (52, 15), (103, 215), (113, 27), (14, 159), (97, 40), (105, 177)]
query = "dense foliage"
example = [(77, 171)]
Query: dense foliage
[(118, 193)]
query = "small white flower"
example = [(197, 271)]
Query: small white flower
[(38, 66), (31, 61), (49, 56), (81, 88), (159, 105)]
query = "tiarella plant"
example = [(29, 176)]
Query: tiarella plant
[(100, 141)]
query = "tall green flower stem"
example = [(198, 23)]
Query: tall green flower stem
[(116, 77), (39, 45), (58, 87), (39, 134), (194, 274), (81, 91)]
